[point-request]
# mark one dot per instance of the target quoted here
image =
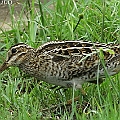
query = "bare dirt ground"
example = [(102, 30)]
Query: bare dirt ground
[(5, 17)]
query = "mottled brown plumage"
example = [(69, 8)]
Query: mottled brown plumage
[(65, 63)]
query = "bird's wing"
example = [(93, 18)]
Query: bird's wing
[(80, 56)]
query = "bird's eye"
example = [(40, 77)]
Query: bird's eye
[(13, 50)]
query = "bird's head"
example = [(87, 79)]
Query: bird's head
[(15, 56)]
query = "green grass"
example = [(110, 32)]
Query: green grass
[(101, 23)]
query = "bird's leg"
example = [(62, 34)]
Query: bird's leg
[(69, 102), (77, 98), (83, 92)]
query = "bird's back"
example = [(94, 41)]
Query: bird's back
[(80, 60)]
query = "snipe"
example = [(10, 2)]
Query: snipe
[(65, 63)]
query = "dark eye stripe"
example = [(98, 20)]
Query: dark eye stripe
[(14, 50), (9, 58), (14, 55)]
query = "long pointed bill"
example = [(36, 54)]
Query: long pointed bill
[(3, 67)]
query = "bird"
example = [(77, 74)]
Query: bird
[(65, 63)]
